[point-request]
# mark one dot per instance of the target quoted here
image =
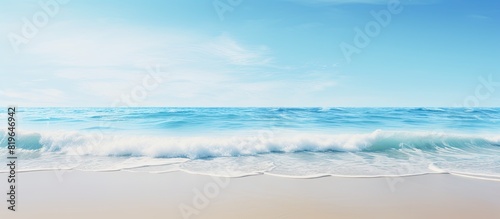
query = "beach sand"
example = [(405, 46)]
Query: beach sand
[(122, 194)]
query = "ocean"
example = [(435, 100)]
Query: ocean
[(237, 142)]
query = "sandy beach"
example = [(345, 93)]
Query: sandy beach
[(76, 194), (235, 109)]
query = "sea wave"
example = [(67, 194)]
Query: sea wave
[(271, 152), (259, 142)]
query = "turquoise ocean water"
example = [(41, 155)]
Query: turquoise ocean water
[(286, 142)]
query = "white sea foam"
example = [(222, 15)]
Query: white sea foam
[(277, 153), (193, 147)]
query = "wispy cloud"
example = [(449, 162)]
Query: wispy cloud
[(228, 48), (105, 62), (42, 97), (127, 46), (477, 17)]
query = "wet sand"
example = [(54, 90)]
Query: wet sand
[(76, 194)]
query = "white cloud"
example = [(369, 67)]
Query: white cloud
[(229, 49), (96, 66), (106, 62), (33, 97), (117, 46)]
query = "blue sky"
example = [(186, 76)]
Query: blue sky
[(255, 53)]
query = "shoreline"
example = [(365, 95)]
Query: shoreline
[(123, 194), (477, 176)]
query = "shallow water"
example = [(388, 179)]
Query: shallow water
[(288, 142)]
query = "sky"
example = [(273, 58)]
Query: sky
[(263, 53)]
